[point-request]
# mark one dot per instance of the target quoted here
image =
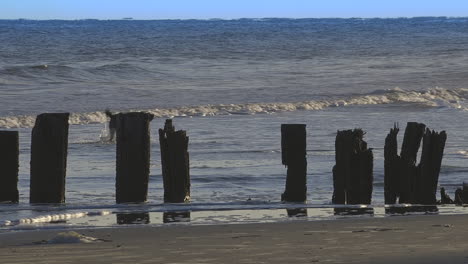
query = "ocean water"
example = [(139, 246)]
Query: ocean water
[(231, 84)]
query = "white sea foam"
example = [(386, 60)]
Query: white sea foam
[(435, 97), (50, 218)]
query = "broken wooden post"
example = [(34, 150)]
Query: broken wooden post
[(353, 172), (294, 157), (461, 195), (391, 166), (49, 149), (426, 180), (444, 197), (174, 163), (404, 179), (399, 170), (414, 133), (9, 163), (133, 157)]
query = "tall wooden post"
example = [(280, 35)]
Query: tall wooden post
[(414, 133), (294, 157), (391, 167), (429, 167), (353, 172), (133, 157), (49, 149), (175, 164), (9, 163), (404, 179)]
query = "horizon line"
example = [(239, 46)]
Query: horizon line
[(225, 19)]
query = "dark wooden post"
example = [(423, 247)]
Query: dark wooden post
[(294, 157), (391, 166), (429, 167), (461, 195), (49, 149), (133, 157), (414, 133), (340, 170), (444, 197), (175, 164), (403, 178), (353, 172), (9, 163)]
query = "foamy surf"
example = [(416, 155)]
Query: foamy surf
[(434, 97), (50, 218), (463, 153)]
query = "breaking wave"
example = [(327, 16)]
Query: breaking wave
[(434, 97)]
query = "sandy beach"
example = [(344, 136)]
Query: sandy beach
[(403, 239)]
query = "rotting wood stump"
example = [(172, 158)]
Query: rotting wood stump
[(49, 149), (353, 172), (444, 197), (294, 157), (133, 157), (461, 195), (404, 180), (175, 163), (9, 164)]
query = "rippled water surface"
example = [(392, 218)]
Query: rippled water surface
[(231, 84)]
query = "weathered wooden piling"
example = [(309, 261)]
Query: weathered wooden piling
[(444, 197), (414, 132), (461, 195), (428, 169), (133, 157), (175, 163), (294, 157), (405, 180), (391, 167), (353, 172), (49, 149), (9, 163)]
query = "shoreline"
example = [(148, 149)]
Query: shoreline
[(406, 239), (154, 216)]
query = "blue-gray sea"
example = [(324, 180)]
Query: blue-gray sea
[(231, 84)]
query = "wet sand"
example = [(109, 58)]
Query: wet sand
[(402, 239)]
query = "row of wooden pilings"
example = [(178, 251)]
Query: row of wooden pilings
[(405, 182)]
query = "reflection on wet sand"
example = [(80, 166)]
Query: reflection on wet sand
[(428, 209), (353, 211), (133, 218), (176, 217), (297, 212)]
